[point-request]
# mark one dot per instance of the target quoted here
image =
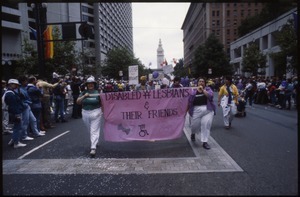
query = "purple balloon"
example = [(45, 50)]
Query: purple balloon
[(155, 74)]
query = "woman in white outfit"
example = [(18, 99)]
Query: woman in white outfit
[(91, 111), (202, 110)]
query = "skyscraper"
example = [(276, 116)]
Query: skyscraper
[(111, 24)]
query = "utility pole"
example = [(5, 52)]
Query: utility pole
[(40, 10)]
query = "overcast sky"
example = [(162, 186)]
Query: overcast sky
[(154, 21)]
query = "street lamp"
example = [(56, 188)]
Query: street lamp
[(40, 10)]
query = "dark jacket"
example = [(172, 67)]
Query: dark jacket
[(14, 102)]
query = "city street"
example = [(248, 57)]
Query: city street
[(257, 156)]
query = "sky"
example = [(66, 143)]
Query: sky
[(154, 21)]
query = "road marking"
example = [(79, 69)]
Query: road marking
[(213, 160), (29, 152)]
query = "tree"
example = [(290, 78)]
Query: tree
[(28, 64), (65, 56), (212, 56), (64, 59), (180, 69), (254, 61), (288, 41), (119, 59)]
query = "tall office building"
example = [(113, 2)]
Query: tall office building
[(221, 19), (111, 23)]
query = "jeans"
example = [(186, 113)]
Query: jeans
[(59, 107), (28, 119), (37, 114), (17, 130)]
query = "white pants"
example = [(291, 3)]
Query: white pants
[(202, 120), (92, 120), (227, 115)]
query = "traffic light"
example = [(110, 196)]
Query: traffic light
[(69, 31), (85, 30)]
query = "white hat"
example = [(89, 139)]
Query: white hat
[(55, 75), (91, 79), (13, 81)]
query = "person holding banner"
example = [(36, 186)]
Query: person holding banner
[(228, 100), (91, 111), (201, 111), (143, 85)]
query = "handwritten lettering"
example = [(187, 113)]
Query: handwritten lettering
[(132, 115), (162, 113)]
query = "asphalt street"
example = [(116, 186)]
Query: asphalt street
[(257, 156)]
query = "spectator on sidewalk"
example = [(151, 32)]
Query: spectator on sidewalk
[(75, 87), (46, 103), (35, 95), (15, 108), (6, 129), (59, 96)]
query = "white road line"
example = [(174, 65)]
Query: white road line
[(36, 148)]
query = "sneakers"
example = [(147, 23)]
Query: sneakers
[(27, 138), (39, 134), (19, 145), (43, 132), (11, 142), (193, 137), (93, 152), (206, 146)]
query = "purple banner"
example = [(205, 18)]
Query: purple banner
[(145, 115)]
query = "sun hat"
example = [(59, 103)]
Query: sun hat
[(13, 81), (91, 79)]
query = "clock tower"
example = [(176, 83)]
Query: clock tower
[(160, 55)]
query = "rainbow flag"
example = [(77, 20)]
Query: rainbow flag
[(49, 51)]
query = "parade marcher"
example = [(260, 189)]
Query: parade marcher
[(176, 83), (143, 84), (229, 95), (91, 112), (15, 107), (201, 111)]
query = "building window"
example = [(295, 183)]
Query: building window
[(218, 13), (213, 13), (228, 32), (234, 31), (228, 23), (213, 23), (218, 23), (235, 22), (228, 12), (234, 12), (242, 13)]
